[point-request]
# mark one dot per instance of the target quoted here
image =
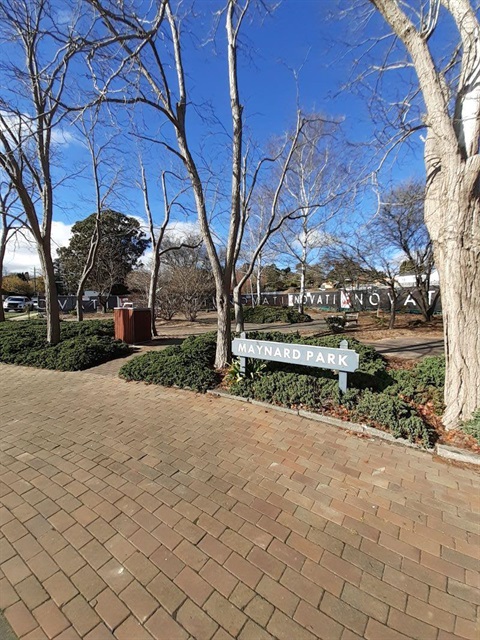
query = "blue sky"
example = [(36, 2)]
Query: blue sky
[(300, 34)]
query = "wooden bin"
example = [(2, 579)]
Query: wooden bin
[(132, 325)]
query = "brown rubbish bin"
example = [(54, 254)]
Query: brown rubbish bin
[(132, 325)]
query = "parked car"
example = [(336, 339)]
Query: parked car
[(16, 303)]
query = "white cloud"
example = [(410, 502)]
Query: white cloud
[(22, 254), (22, 126)]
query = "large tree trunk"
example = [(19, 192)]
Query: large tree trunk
[(461, 319), (51, 296), (152, 291), (457, 257), (223, 354), (3, 246)]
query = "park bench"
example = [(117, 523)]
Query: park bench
[(350, 317)]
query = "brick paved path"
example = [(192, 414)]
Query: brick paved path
[(135, 512)]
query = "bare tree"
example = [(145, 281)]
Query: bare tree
[(370, 256), (255, 226), (151, 49), (157, 236), (316, 188), (400, 225), (451, 99), (12, 222), (34, 78), (104, 182)]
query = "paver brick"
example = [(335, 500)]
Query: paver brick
[(166, 592), (15, 570), (195, 621), (51, 619), (115, 575), (317, 622), (220, 579), (343, 613), (266, 563), (161, 626), (284, 628), (138, 601), (60, 588), (241, 596), (193, 585), (8, 595), (410, 626), (278, 595), (302, 587), (243, 570), (111, 609), (20, 619), (175, 513), (225, 613), (81, 615)]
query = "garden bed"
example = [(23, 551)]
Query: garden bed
[(82, 345), (405, 401)]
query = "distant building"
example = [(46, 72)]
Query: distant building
[(408, 279)]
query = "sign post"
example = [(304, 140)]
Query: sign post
[(342, 360)]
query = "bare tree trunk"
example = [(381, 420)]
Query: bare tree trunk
[(301, 301), (51, 296), (89, 265), (79, 304), (393, 310), (152, 290), (238, 306), (224, 328), (259, 283), (452, 199), (458, 253), (3, 247)]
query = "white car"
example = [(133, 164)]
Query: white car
[(16, 303)]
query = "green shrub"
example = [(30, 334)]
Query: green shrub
[(74, 354), (189, 365), (422, 384), (263, 314), (431, 371), (82, 345), (253, 369), (369, 395), (289, 389), (336, 324), (370, 361), (472, 426), (399, 417)]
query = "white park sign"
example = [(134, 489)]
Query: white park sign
[(342, 360)]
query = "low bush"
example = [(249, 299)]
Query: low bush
[(372, 394), (370, 361), (290, 389), (400, 418), (422, 384), (263, 314), (82, 345), (472, 426), (189, 365), (336, 324)]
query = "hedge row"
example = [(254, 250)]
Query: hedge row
[(189, 365), (263, 314), (82, 345), (374, 395)]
